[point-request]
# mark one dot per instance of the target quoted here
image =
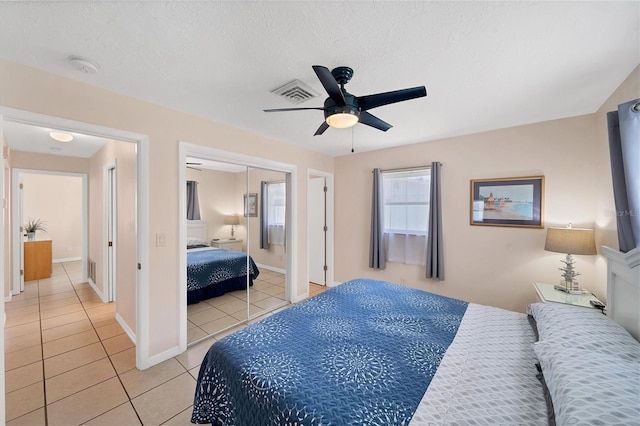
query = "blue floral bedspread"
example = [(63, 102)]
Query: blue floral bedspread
[(362, 353), (212, 266)]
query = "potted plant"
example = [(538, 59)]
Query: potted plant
[(32, 226)]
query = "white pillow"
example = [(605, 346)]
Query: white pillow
[(589, 387), (574, 327), (196, 242)]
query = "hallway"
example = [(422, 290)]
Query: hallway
[(68, 362)]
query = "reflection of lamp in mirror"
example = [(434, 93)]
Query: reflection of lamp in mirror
[(571, 241), (232, 220)]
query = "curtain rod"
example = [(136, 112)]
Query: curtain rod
[(406, 169)]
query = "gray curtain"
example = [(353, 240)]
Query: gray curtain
[(624, 149), (376, 250), (264, 222), (435, 253), (193, 205)]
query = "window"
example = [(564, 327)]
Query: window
[(406, 215), (276, 209)]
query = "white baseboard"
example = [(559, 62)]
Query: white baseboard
[(98, 292), (66, 259), (126, 328), (300, 298), (271, 268), (8, 298), (161, 357)]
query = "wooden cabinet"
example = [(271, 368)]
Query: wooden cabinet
[(227, 244), (37, 259)]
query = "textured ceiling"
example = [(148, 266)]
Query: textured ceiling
[(486, 65)]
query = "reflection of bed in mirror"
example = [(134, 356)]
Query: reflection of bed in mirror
[(211, 271)]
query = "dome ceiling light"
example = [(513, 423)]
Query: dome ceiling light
[(61, 137)]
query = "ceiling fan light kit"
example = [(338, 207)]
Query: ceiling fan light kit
[(343, 110), (342, 120)]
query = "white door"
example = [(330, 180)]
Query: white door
[(22, 233), (111, 206), (316, 215)]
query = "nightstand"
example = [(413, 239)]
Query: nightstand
[(548, 294), (227, 244)]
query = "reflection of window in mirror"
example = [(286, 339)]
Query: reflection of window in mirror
[(276, 210)]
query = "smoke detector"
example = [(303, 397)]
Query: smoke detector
[(295, 92), (84, 65)]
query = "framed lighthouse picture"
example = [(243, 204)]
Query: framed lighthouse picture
[(517, 201)]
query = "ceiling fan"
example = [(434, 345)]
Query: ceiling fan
[(342, 109)]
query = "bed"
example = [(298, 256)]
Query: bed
[(211, 271), (370, 352)]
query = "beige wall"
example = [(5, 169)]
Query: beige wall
[(38, 91), (57, 201), (54, 163), (217, 195), (124, 155), (493, 265)]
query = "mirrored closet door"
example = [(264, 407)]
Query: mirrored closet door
[(241, 227)]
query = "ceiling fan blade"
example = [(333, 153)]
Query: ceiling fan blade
[(330, 84), (373, 121), (291, 109), (379, 99), (324, 126)]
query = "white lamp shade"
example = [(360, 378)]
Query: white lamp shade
[(232, 220), (570, 241)]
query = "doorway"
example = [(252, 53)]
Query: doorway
[(59, 200), (139, 279), (320, 227)]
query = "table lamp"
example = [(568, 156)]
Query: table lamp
[(571, 241), (232, 220)]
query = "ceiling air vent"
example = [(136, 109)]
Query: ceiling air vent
[(295, 92)]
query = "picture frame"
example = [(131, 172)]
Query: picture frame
[(251, 205), (516, 201)]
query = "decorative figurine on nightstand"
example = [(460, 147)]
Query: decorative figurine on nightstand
[(569, 275)]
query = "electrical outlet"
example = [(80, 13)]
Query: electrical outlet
[(161, 239)]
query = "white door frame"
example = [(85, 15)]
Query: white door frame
[(142, 204), (186, 149), (330, 224), (17, 177)]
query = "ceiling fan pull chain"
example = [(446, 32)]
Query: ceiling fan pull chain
[(352, 151)]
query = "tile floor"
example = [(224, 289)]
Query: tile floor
[(218, 313), (68, 362)]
